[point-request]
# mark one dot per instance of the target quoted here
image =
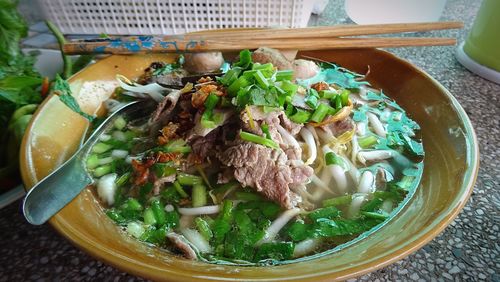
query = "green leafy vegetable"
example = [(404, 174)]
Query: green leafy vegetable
[(276, 251), (62, 89)]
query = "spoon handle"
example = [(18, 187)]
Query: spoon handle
[(56, 191)]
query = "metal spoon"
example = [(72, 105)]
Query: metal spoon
[(66, 182)]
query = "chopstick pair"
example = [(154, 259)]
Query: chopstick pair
[(310, 38)]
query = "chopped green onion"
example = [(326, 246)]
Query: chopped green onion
[(116, 216), (289, 87), (204, 228), (164, 169), (301, 116), (328, 94), (120, 123), (188, 179), (261, 80), (135, 229), (265, 129), (344, 96), (102, 170), (289, 109), (312, 98), (123, 179), (258, 139), (230, 76), (132, 205), (92, 161), (180, 190), (100, 148), (247, 196), (159, 212), (320, 112), (333, 159), (368, 141), (338, 102), (199, 195), (240, 83), (267, 68), (149, 217), (338, 201), (284, 75), (211, 101), (245, 59)]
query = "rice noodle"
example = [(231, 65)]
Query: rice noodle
[(277, 224), (361, 128), (320, 183), (324, 136), (313, 132), (338, 174), (200, 210), (374, 155), (287, 137), (353, 170), (305, 247), (357, 201), (376, 124), (354, 149), (366, 182), (311, 145), (195, 238)]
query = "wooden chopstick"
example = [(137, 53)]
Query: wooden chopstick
[(326, 31), (313, 38)]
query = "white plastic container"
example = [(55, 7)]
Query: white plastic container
[(172, 16)]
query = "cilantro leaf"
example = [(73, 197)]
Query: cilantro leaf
[(62, 89)]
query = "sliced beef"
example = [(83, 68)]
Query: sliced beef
[(203, 146), (339, 127), (154, 73), (259, 118), (164, 111), (266, 170), (289, 125), (225, 176)]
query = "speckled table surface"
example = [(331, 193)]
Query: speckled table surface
[(467, 250)]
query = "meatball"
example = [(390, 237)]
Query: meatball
[(203, 62), (265, 55), (304, 69)]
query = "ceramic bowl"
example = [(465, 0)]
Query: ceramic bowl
[(451, 166)]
